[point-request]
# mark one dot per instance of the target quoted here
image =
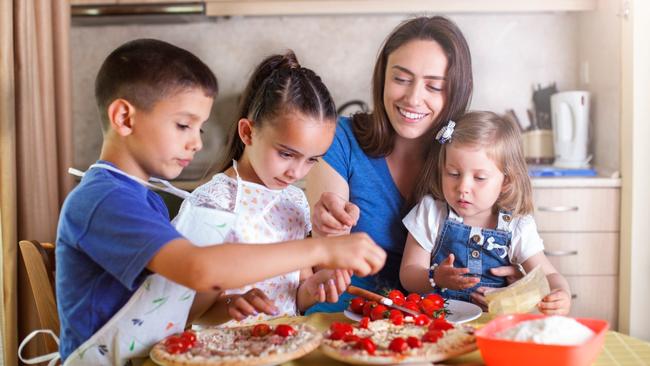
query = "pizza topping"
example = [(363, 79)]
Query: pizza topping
[(414, 342), (366, 344), (398, 345), (349, 338), (260, 330), (421, 320), (344, 328), (396, 317), (432, 336), (440, 324), (363, 323), (284, 330), (180, 343), (336, 335)]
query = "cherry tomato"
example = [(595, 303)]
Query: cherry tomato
[(189, 336), (177, 344), (427, 307), (432, 336), (260, 330), (438, 301), (363, 323), (440, 324), (398, 345), (284, 330), (397, 296), (411, 305), (172, 339), (422, 319), (344, 328), (413, 297), (367, 345), (368, 306), (414, 342), (397, 318), (175, 348), (379, 312), (356, 305), (336, 335), (351, 338)]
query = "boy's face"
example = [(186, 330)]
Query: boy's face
[(164, 139)]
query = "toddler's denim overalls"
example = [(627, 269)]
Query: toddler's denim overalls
[(475, 248)]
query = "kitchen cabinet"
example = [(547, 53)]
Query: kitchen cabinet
[(128, 2), (579, 220)]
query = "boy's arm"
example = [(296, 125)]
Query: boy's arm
[(227, 266)]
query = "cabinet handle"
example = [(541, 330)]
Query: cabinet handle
[(558, 208), (574, 296), (561, 253)]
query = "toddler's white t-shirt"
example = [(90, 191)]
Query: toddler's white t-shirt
[(427, 218)]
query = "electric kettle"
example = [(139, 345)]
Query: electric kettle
[(570, 119)]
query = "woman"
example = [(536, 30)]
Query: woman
[(374, 171)]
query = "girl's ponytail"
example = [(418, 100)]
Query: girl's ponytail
[(278, 85)]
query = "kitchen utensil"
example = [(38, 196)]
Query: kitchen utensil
[(503, 352), (354, 290), (510, 114), (571, 129), (542, 103)]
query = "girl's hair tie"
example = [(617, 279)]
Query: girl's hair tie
[(444, 135)]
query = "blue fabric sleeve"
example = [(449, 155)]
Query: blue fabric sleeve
[(123, 235)]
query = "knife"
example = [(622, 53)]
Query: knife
[(354, 290)]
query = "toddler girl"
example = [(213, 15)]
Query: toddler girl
[(477, 216), (286, 123)]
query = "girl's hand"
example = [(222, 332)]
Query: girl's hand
[(512, 275), (355, 252), (252, 302), (327, 285), (446, 276), (558, 302), (332, 215)]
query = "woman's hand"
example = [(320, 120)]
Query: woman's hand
[(252, 302), (332, 215), (511, 273), (327, 285)]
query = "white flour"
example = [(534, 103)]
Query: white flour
[(549, 330)]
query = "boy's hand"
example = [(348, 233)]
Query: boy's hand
[(558, 302), (327, 285), (332, 215), (250, 303), (356, 252), (446, 276)]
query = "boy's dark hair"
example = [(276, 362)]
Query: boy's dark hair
[(279, 85), (144, 71)]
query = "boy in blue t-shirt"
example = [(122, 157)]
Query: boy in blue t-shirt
[(114, 233)]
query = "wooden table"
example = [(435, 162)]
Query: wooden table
[(619, 350)]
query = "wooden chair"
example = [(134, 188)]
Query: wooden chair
[(40, 275)]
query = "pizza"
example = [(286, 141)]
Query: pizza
[(259, 344), (384, 342)]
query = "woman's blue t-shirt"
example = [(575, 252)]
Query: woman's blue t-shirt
[(372, 189)]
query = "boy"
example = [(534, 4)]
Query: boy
[(114, 233)]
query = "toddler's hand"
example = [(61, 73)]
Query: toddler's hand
[(558, 302), (327, 284), (446, 276), (332, 215), (356, 252), (252, 302)]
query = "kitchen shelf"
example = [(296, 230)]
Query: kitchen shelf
[(307, 7)]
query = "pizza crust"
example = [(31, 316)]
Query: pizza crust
[(306, 340)]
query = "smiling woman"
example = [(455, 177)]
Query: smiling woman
[(374, 172)]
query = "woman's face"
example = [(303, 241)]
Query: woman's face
[(414, 87)]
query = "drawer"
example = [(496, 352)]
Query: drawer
[(577, 209), (582, 253), (595, 297)]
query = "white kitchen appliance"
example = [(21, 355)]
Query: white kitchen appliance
[(570, 118)]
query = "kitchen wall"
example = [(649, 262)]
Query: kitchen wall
[(511, 53)]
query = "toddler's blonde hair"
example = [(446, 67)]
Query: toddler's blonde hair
[(503, 143)]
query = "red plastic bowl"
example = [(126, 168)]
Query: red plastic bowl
[(502, 352)]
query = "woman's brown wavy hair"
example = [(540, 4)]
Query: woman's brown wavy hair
[(373, 130)]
